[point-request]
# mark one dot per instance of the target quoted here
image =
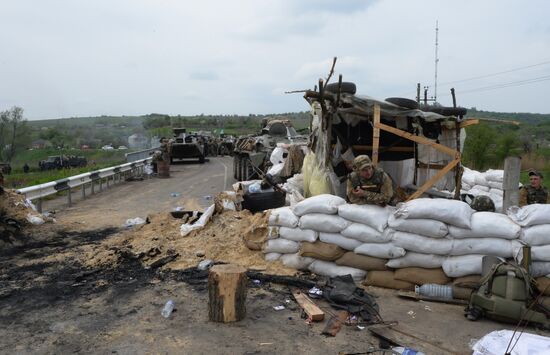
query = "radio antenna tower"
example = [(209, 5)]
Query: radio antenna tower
[(436, 58)]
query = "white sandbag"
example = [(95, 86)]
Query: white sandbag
[(465, 186), (427, 227), (540, 253), (276, 169), (371, 215), (477, 192), (326, 268), (494, 175), (539, 268), (326, 204), (277, 156), (480, 179), (536, 235), (488, 225), (341, 241), (272, 232), (365, 234), (412, 259), (380, 250), (500, 342), (298, 234), (421, 244), (495, 185), (456, 213), (485, 246), (283, 217), (323, 222), (296, 261), (481, 188), (530, 215), (272, 256), (282, 246), (469, 177), (496, 192), (458, 266)]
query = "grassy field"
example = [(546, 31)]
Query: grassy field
[(97, 159)]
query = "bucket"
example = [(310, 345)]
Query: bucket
[(163, 169)]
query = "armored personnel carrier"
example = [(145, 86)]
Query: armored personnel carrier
[(186, 146), (252, 152)]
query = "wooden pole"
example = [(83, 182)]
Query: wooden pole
[(512, 167), (226, 293), (375, 135)]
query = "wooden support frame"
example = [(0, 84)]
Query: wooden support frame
[(422, 140), (375, 135)]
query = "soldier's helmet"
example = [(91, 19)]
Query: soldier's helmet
[(483, 203)]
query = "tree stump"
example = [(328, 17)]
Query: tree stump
[(226, 293)]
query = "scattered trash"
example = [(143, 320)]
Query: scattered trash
[(256, 282), (360, 327), (175, 194), (35, 219), (207, 197), (254, 188), (178, 209), (261, 344), (279, 308), (427, 308), (434, 290), (315, 292), (287, 301), (406, 351), (168, 309), (351, 320), (412, 314), (205, 264), (134, 222), (200, 253), (205, 217)]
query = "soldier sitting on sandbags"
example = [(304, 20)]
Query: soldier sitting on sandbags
[(368, 184)]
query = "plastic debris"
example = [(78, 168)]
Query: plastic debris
[(412, 314), (168, 308), (205, 264), (256, 282), (279, 308), (134, 222), (178, 209), (315, 292), (35, 219)]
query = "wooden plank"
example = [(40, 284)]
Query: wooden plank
[(375, 135), (430, 166), (434, 179), (363, 148), (418, 139), (467, 123), (516, 123), (416, 297), (396, 336), (512, 168), (312, 310)]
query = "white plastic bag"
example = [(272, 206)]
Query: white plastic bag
[(365, 234), (326, 268), (36, 220), (536, 235), (296, 261), (427, 227), (200, 223), (323, 222), (458, 266), (298, 234), (282, 246), (283, 217), (456, 213), (326, 204), (485, 246), (277, 156), (412, 259), (488, 225), (371, 215), (421, 244), (380, 250), (338, 239), (530, 215)]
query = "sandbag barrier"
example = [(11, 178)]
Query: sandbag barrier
[(421, 241)]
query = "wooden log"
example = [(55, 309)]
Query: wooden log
[(226, 293), (512, 168), (312, 310)]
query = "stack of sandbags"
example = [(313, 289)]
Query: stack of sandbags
[(535, 222), (488, 183)]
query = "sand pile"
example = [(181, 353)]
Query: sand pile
[(160, 242)]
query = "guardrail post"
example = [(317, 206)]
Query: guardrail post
[(39, 205), (100, 184), (107, 182), (93, 187), (83, 191), (69, 199)]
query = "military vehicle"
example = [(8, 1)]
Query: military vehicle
[(186, 146), (251, 154), (60, 162)]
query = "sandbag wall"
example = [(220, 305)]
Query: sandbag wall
[(421, 241), (488, 183)]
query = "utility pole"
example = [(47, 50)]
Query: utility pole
[(436, 58)]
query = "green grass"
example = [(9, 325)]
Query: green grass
[(524, 177)]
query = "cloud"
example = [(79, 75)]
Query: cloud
[(204, 75)]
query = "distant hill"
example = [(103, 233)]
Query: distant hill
[(530, 118)]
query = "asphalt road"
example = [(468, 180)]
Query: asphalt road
[(191, 185)]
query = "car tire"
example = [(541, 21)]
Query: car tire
[(201, 159), (403, 102), (347, 88), (236, 167)]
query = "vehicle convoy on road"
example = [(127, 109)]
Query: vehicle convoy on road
[(251, 154), (62, 161), (186, 146)]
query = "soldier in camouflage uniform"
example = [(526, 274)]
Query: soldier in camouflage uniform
[(483, 203), (534, 192), (367, 184)]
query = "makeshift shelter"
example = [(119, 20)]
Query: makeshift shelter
[(417, 148)]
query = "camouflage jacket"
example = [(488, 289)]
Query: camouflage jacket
[(377, 190), (528, 195)]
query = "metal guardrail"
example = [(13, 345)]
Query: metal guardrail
[(139, 155), (93, 178)]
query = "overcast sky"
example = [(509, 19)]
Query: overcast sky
[(64, 58)]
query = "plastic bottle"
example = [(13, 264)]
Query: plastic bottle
[(406, 351), (168, 308), (254, 188), (434, 290)]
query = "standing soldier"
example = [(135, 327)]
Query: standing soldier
[(534, 192), (367, 184)]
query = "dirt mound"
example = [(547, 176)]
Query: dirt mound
[(159, 243)]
